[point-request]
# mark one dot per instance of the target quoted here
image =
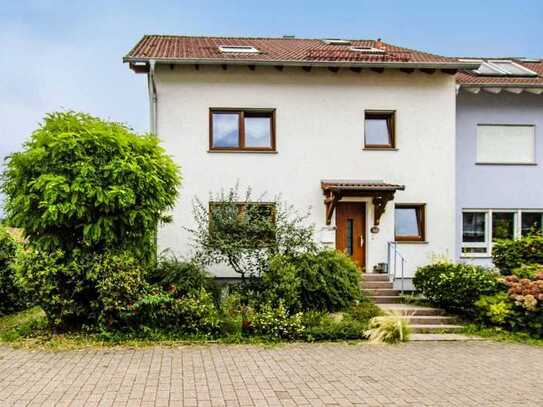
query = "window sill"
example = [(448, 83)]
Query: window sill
[(379, 149), (506, 164), (243, 151), (411, 241), (475, 256)]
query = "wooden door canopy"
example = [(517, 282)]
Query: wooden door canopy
[(380, 192)]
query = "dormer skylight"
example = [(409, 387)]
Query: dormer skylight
[(336, 41), (238, 49), (368, 50), (501, 68)]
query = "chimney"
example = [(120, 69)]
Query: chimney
[(379, 44)]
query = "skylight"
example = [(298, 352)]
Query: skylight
[(368, 50), (336, 41), (501, 68), (246, 49)]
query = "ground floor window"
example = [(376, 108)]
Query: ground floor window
[(409, 222), (234, 220), (481, 227)]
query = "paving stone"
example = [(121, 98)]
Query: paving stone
[(472, 373)]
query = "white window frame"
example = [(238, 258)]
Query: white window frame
[(477, 245), (488, 244)]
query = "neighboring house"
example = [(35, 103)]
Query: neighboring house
[(499, 154), (363, 132)]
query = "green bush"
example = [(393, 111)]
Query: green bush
[(88, 184), (12, 298), (335, 328), (454, 287), (324, 281), (120, 282), (528, 271), (508, 255), (364, 311), (194, 313), (182, 278), (80, 288), (494, 309), (275, 322)]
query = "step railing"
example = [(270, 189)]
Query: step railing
[(395, 264)]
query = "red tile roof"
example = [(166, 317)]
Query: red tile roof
[(471, 79), (295, 51)]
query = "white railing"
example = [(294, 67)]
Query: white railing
[(395, 262)]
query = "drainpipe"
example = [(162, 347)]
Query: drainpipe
[(153, 97)]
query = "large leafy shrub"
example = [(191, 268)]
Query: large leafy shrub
[(89, 184), (194, 313), (454, 287), (244, 232), (327, 280), (12, 298), (508, 255), (81, 288)]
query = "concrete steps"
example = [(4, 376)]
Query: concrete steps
[(426, 323), (436, 329)]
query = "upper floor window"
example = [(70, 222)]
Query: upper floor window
[(409, 222), (379, 129), (242, 130), (505, 144)]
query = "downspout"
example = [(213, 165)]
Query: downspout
[(153, 97)]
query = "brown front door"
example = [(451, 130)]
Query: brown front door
[(351, 230)]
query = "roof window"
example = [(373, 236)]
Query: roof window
[(336, 41), (501, 68), (368, 50), (245, 49)]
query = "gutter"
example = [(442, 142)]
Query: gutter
[(347, 64)]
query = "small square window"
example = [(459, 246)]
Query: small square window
[(242, 130), (379, 129), (409, 222)]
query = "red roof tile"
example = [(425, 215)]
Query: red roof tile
[(471, 79), (186, 49)]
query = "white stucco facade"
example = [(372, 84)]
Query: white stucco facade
[(319, 134)]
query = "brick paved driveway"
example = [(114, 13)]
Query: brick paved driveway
[(413, 374)]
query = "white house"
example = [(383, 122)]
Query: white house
[(361, 131)]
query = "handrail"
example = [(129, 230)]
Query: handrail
[(392, 250)]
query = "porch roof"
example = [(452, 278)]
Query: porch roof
[(359, 185), (380, 192)]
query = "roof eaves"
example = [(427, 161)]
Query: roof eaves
[(218, 61)]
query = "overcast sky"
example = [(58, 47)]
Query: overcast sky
[(67, 54)]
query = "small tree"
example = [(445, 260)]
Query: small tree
[(89, 184), (244, 232)]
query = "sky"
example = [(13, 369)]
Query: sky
[(67, 55)]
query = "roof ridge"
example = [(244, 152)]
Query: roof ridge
[(255, 37)]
